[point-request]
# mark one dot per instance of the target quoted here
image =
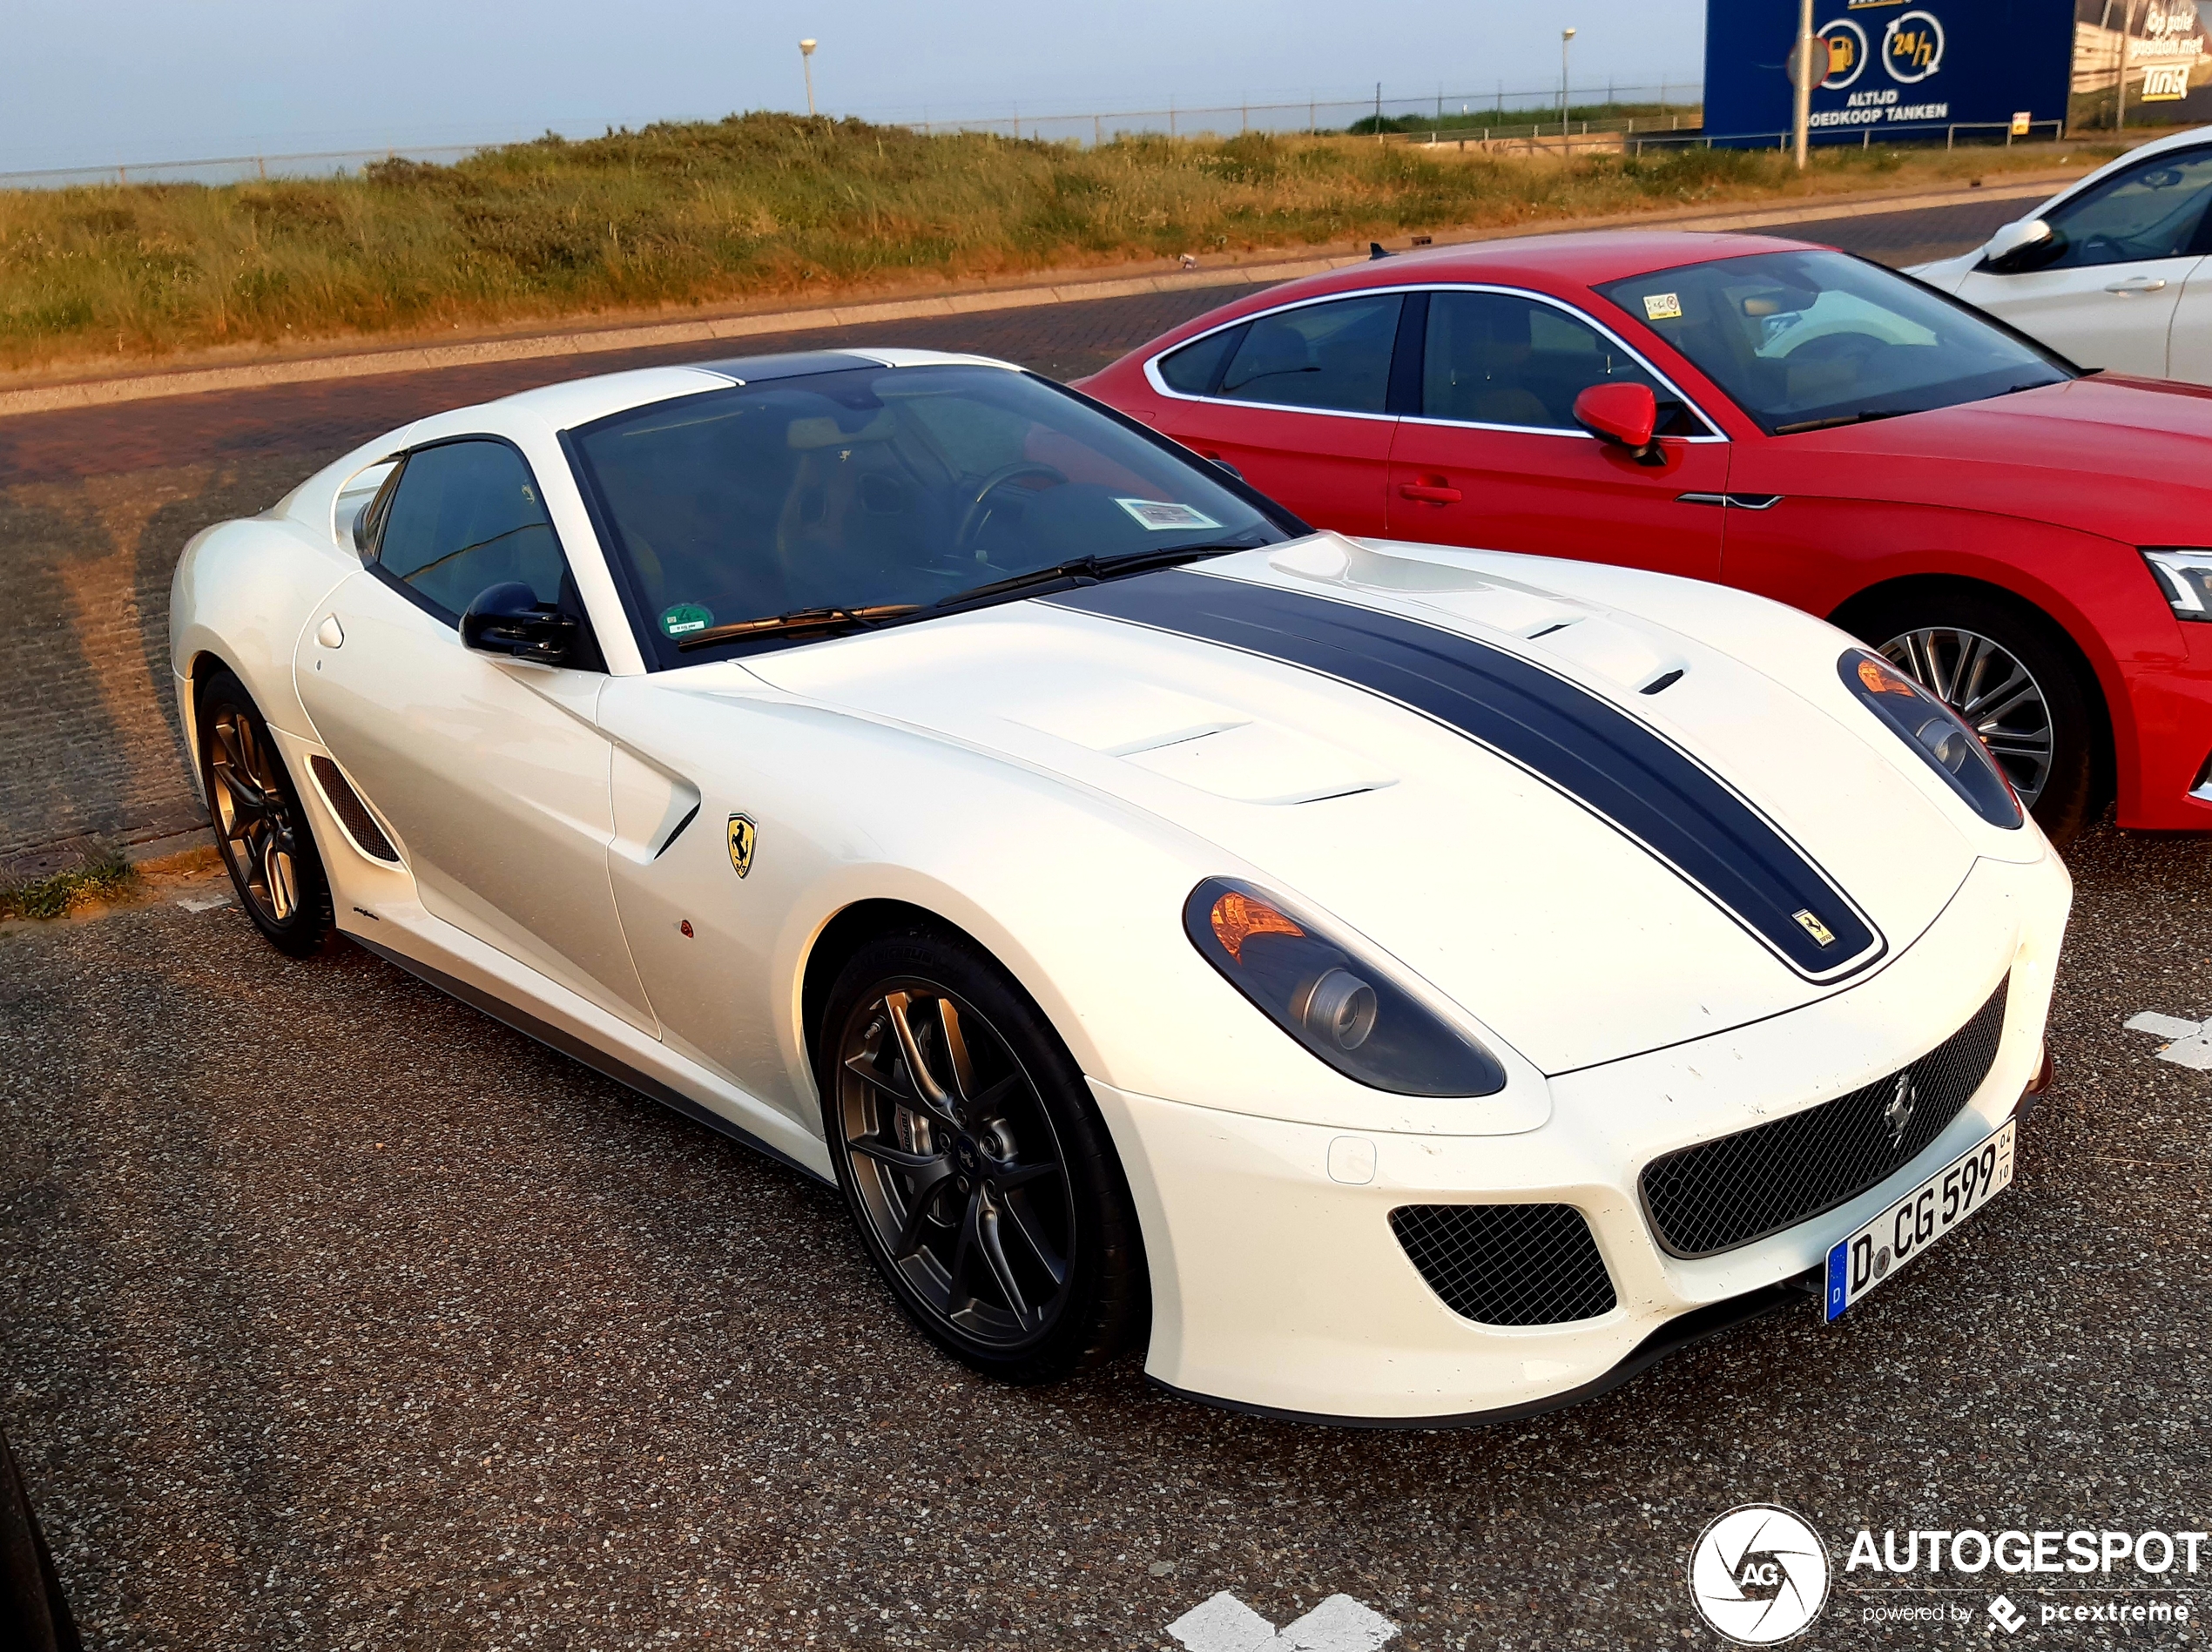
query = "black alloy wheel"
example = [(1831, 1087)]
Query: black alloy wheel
[(2003, 668), (975, 1163), (259, 824)]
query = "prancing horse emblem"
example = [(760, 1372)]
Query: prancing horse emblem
[(1812, 926), (742, 835), (1898, 1114)]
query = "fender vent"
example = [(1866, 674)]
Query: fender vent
[(345, 803), (1507, 1265)]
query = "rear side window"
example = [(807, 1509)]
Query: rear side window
[(1333, 356), (1196, 369), (467, 515), (1490, 358)]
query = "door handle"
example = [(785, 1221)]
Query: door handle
[(2138, 284), (1428, 493), (330, 633)]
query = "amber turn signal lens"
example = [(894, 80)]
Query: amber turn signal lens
[(1236, 918), (1884, 679)]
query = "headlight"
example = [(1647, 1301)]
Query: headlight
[(1344, 1008), (1934, 731), (2186, 577)]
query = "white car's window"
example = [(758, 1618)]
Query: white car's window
[(1333, 357), (1491, 358), (467, 515), (2156, 210), (881, 488), (1805, 340)]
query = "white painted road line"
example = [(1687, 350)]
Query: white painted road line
[(190, 905), (2192, 1045), (1226, 1624)]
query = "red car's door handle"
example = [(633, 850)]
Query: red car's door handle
[(1428, 493)]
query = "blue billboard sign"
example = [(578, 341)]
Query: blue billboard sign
[(1887, 66)]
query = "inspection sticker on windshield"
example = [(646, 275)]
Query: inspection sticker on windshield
[(1662, 307), (1160, 516), (684, 618)]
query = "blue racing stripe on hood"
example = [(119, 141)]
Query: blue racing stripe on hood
[(1621, 770)]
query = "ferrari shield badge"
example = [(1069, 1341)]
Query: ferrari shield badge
[(742, 834), (1811, 925)]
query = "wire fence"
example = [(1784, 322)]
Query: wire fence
[(1498, 114)]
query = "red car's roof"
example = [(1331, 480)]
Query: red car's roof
[(1586, 258)]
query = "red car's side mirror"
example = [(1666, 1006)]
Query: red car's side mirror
[(1624, 415)]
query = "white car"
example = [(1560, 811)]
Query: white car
[(2115, 272), (1437, 983)]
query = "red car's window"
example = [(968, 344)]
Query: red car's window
[(1333, 357), (1491, 358)]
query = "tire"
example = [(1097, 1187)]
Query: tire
[(2007, 669), (989, 1195), (259, 824)]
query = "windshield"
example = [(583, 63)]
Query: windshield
[(878, 490), (1805, 340)]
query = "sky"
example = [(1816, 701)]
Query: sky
[(91, 83)]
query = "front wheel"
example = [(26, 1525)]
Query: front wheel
[(2004, 670), (259, 826), (975, 1163)]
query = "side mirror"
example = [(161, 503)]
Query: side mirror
[(509, 619), (1623, 415), (2019, 247)]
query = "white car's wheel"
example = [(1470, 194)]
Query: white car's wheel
[(259, 824), (975, 1164)]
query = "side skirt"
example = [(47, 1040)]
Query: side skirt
[(1678, 1333), (597, 1060)]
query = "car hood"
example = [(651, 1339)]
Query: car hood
[(1505, 887), (2050, 454)]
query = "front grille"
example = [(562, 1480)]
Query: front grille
[(1721, 1194), (1507, 1265), (345, 804)]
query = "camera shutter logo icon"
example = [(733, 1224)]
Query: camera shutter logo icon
[(1758, 1575)]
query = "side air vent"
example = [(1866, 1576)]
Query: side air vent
[(353, 815), (1507, 1265)]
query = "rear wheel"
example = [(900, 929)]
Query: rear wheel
[(2007, 672), (975, 1163), (259, 826)]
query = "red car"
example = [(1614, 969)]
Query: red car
[(2021, 535)]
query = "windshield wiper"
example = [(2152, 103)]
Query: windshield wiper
[(1842, 418), (1088, 569), (798, 619)]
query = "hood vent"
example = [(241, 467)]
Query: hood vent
[(1620, 768)]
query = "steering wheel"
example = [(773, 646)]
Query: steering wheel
[(971, 519), (1840, 347)]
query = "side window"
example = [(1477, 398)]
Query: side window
[(465, 516), (1196, 369), (1491, 358), (1333, 356), (2156, 210)]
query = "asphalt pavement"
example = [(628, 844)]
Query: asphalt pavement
[(334, 1315)]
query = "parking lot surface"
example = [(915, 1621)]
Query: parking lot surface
[(334, 1315), (338, 1316)]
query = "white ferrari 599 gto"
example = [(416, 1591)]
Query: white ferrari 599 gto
[(1436, 983)]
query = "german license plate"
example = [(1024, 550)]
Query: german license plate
[(1857, 1264)]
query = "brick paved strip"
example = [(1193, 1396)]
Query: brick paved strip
[(600, 341)]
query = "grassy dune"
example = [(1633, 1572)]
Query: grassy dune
[(764, 206)]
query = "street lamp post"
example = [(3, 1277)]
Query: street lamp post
[(1802, 122), (1565, 35), (806, 61)]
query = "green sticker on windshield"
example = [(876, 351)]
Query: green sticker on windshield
[(684, 618)]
